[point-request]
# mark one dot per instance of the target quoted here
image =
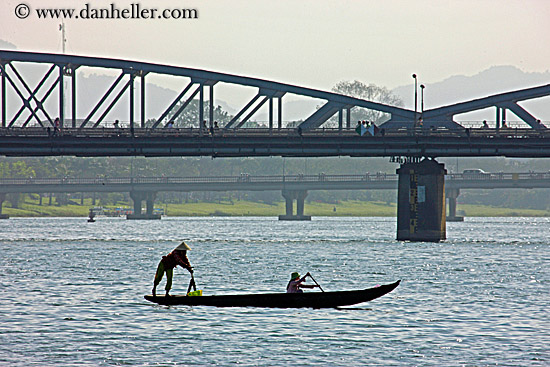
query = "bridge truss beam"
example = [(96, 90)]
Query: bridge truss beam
[(501, 101), (68, 65)]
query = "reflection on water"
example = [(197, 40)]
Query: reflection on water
[(72, 293)]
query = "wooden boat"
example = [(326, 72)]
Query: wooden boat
[(280, 300)]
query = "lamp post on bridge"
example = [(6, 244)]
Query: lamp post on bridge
[(422, 101), (415, 98)]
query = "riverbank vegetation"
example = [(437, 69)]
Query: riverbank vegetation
[(495, 202), (30, 207)]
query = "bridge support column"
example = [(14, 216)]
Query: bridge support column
[(421, 202), (150, 203), (137, 198), (300, 198), (289, 204), (2, 198), (452, 194), (290, 196)]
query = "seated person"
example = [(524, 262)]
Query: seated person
[(295, 284)]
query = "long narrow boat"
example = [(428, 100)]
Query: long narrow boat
[(280, 300)]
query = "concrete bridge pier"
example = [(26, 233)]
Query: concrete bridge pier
[(138, 197), (452, 195), (2, 198), (290, 196), (421, 202)]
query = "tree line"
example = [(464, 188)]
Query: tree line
[(59, 167)]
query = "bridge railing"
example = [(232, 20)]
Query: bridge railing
[(107, 132), (243, 178), (246, 178), (499, 176)]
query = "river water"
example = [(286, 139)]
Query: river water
[(72, 293)]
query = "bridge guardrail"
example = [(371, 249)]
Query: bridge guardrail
[(245, 178), (499, 176), (105, 132)]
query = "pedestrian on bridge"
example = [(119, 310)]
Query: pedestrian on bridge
[(56, 126), (117, 127)]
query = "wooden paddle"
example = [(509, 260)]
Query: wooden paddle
[(192, 284), (315, 282)]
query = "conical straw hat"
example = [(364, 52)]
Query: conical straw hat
[(183, 247)]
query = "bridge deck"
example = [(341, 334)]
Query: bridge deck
[(276, 142)]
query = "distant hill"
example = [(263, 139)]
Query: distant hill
[(495, 80), (458, 88), (5, 45)]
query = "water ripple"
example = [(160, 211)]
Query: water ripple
[(73, 293)]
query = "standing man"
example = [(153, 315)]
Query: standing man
[(168, 263), (56, 126)]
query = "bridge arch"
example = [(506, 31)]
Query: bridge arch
[(63, 67)]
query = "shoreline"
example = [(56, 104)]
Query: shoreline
[(258, 209)]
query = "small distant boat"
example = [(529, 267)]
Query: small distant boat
[(91, 216), (280, 300)]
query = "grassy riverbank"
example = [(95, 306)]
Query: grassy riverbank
[(247, 208)]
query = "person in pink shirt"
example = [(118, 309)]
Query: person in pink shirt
[(295, 284)]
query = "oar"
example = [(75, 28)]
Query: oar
[(192, 284), (315, 282)]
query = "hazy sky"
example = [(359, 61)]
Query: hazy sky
[(311, 43)]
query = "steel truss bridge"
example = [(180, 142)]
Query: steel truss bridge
[(32, 130)]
